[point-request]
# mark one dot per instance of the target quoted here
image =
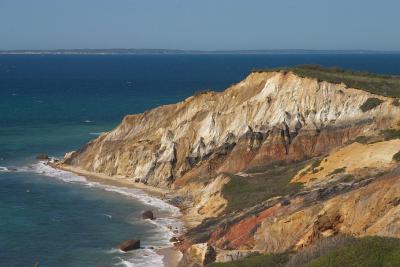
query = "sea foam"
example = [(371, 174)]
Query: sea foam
[(141, 258), (97, 134), (167, 226), (3, 169)]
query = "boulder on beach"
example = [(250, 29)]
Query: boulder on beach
[(148, 214), (128, 245), (42, 157)]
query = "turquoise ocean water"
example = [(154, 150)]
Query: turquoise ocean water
[(53, 104)]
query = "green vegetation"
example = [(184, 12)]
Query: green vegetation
[(314, 168), (338, 170), (319, 249), (396, 157), (268, 260), (316, 163), (370, 103), (385, 85), (390, 134), (242, 192), (362, 139), (368, 251), (266, 168), (348, 178), (336, 251), (202, 92)]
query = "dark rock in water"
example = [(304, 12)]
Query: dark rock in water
[(173, 239), (42, 157), (148, 214), (128, 245)]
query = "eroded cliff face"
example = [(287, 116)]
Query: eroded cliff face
[(268, 116), (211, 144), (369, 210)]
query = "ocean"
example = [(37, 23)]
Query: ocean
[(56, 103)]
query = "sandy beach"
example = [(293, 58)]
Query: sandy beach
[(114, 180)]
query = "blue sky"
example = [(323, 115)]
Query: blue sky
[(201, 24)]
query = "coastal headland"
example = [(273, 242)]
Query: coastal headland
[(271, 167)]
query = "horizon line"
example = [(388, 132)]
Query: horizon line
[(187, 51)]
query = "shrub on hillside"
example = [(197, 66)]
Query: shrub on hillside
[(362, 139), (390, 134), (338, 170), (396, 157), (370, 103)]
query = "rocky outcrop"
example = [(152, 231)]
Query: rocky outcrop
[(199, 255), (148, 214), (42, 157), (128, 245), (232, 255)]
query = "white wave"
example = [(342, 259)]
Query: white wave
[(138, 194), (108, 216), (8, 169), (141, 196), (168, 225), (114, 250), (125, 263), (87, 121), (96, 133), (3, 169), (46, 170), (141, 258)]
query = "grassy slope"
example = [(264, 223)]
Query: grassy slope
[(362, 252), (369, 251), (265, 182), (385, 85)]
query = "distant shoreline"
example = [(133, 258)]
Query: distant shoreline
[(118, 51)]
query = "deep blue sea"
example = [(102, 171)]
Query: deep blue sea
[(55, 103)]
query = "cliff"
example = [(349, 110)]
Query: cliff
[(272, 163)]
